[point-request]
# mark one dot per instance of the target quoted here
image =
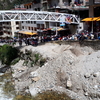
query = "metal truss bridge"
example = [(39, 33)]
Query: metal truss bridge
[(15, 15)]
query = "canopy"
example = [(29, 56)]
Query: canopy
[(60, 29), (91, 19), (27, 33)]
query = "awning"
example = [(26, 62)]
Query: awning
[(44, 29), (49, 29), (60, 29), (91, 19), (27, 4), (27, 33)]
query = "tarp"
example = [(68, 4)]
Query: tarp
[(27, 33), (91, 19)]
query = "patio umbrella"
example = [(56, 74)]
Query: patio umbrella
[(60, 29), (44, 29), (27, 33), (91, 19)]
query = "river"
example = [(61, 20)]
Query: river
[(7, 91)]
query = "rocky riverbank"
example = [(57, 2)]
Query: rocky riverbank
[(72, 69)]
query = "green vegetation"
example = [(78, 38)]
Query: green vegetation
[(8, 54), (15, 61), (32, 58), (47, 95), (52, 95), (42, 61)]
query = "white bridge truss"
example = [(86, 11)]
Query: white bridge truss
[(11, 15)]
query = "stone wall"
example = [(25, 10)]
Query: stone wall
[(95, 44)]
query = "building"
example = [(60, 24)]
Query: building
[(10, 28), (77, 7), (93, 25), (32, 26), (94, 8), (94, 11)]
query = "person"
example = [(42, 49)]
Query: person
[(20, 42), (26, 41)]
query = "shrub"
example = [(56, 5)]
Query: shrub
[(7, 54), (15, 61), (42, 61), (34, 57)]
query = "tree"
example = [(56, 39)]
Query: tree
[(7, 54)]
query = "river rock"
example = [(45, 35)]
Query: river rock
[(33, 91), (33, 74), (87, 75), (35, 79), (86, 94), (3, 69), (69, 84), (96, 74)]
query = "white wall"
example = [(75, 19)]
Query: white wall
[(13, 27)]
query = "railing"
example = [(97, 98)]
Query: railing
[(9, 15)]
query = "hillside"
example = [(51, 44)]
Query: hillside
[(9, 4)]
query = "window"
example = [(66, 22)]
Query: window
[(27, 7), (17, 27), (28, 21), (29, 28), (17, 23), (35, 29), (30, 6), (31, 22), (34, 22), (32, 28)]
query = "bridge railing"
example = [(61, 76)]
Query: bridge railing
[(13, 15)]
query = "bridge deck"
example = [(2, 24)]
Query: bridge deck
[(14, 15)]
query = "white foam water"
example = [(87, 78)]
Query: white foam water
[(3, 96)]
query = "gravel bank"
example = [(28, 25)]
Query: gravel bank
[(71, 69)]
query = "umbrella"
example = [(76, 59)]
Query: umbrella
[(27, 33), (44, 29), (49, 29), (60, 29), (91, 19)]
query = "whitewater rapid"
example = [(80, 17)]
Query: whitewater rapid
[(3, 96)]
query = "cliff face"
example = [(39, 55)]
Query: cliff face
[(9, 4)]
